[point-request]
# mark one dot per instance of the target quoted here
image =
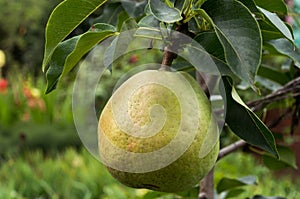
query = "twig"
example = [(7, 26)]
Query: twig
[(230, 148), (291, 89)]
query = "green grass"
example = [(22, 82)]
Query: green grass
[(76, 174)]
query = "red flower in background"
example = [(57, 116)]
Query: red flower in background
[(33, 97), (3, 86), (133, 59)]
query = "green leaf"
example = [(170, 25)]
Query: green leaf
[(153, 194), (65, 18), (229, 183), (273, 5), (234, 193), (110, 14), (163, 12), (69, 52), (251, 129), (57, 61), (122, 17), (134, 8), (210, 42), (267, 197), (272, 74), (287, 159), (239, 34), (269, 31), (86, 42), (149, 21), (250, 5), (268, 84), (120, 44), (278, 23), (149, 32), (284, 47)]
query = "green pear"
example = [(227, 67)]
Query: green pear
[(157, 131)]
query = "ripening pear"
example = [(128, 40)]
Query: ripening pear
[(157, 131)]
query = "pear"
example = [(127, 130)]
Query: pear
[(157, 131)]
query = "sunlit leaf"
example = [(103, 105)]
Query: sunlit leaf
[(278, 23), (163, 12), (65, 18), (69, 52)]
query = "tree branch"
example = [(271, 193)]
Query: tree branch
[(207, 186), (231, 148), (291, 89)]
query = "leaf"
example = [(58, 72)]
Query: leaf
[(57, 61), (149, 32), (65, 18), (86, 42), (269, 31), (287, 159), (149, 21), (120, 44), (250, 5), (134, 8), (163, 12), (273, 5), (122, 17), (284, 47), (267, 197), (267, 83), (272, 74), (278, 23), (244, 123), (239, 34), (234, 193), (229, 183), (69, 52), (110, 14), (210, 42), (153, 194)]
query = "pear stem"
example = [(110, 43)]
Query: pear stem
[(170, 50), (168, 58)]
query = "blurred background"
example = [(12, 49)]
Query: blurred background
[(41, 155)]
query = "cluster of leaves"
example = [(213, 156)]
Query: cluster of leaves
[(236, 34)]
